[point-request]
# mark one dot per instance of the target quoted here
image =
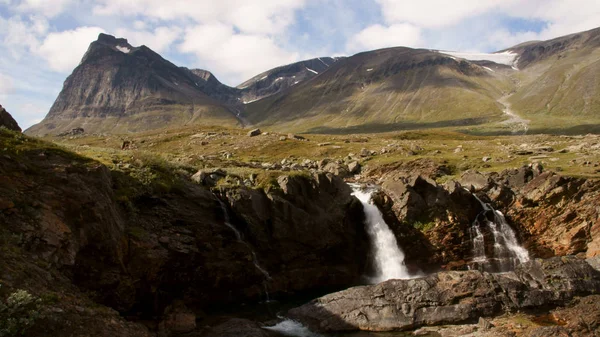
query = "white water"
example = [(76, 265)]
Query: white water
[(389, 258), (507, 252), (290, 327)]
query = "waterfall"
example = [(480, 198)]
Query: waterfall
[(506, 252), (389, 258), (291, 328), (238, 235)]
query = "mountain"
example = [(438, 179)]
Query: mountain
[(7, 121), (559, 78), (386, 89), (119, 88), (281, 78), (512, 90)]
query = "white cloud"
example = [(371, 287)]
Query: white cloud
[(248, 16), (20, 36), (48, 8), (235, 57), (6, 85), (159, 39), (435, 13), (63, 50), (378, 36)]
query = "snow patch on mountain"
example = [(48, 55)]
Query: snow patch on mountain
[(508, 57)]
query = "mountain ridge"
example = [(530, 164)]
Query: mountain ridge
[(385, 89)]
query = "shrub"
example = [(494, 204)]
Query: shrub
[(18, 313)]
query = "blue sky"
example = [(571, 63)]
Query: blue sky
[(43, 40)]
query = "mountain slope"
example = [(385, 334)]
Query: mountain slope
[(281, 78), (560, 78), (119, 88), (387, 89)]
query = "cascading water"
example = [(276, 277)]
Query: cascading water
[(389, 258), (238, 235), (505, 253)]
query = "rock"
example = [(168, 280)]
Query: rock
[(7, 121), (365, 153), (178, 319), (354, 167), (324, 144), (486, 159), (474, 181), (450, 297), (282, 138), (126, 145), (253, 133), (336, 168), (73, 132), (237, 327), (484, 324), (296, 137)]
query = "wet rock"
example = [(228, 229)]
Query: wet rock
[(237, 327), (178, 319), (253, 133), (450, 297)]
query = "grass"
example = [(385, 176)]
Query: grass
[(175, 150)]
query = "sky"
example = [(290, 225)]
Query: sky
[(41, 41)]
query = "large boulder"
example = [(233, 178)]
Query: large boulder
[(450, 297)]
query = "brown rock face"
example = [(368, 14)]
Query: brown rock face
[(138, 252), (8, 121), (450, 297)]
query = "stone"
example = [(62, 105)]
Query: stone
[(295, 137), (238, 327), (486, 159), (365, 153), (484, 324), (450, 297), (178, 319), (474, 181), (354, 167), (253, 133), (282, 138)]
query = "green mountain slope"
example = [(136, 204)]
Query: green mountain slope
[(388, 89)]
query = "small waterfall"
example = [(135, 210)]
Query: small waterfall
[(238, 235), (506, 252), (291, 328), (389, 258)]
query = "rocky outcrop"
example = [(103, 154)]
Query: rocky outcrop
[(7, 121), (443, 213), (307, 231), (450, 297), (138, 245)]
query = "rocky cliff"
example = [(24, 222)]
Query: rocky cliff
[(143, 239), (7, 121)]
